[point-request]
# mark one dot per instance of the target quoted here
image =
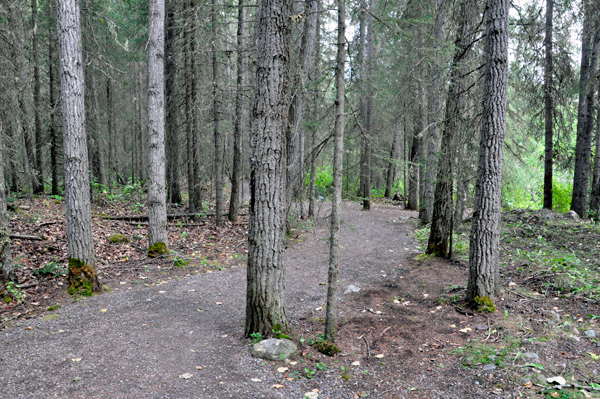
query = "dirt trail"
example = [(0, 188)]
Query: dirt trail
[(136, 343)]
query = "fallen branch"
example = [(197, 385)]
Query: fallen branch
[(171, 224), (46, 224), (169, 216), (368, 348), (22, 237)]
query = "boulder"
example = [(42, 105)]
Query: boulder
[(572, 215), (351, 288), (274, 349)]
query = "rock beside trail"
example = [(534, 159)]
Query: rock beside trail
[(351, 288), (531, 356), (571, 215), (274, 349), (590, 333)]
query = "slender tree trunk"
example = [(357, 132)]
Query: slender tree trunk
[(265, 294), (158, 239), (485, 231), (98, 148), (82, 273), (53, 109), (190, 74), (414, 172), (436, 77), (443, 210), (314, 129), (595, 197), (548, 107), (172, 130), (338, 154), (218, 136), (240, 115), (39, 143), (8, 272), (112, 158), (391, 170), (583, 143)]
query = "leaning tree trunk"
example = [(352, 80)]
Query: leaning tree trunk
[(218, 135), (443, 210), (485, 232), (548, 108), (8, 272), (265, 295), (338, 154), (240, 115), (82, 272), (158, 239), (583, 143), (172, 129), (37, 104)]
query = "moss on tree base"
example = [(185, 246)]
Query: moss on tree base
[(483, 304), (82, 278), (327, 348), (158, 249)]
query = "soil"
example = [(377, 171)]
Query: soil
[(173, 330)]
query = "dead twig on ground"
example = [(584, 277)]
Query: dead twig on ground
[(25, 237), (368, 348)]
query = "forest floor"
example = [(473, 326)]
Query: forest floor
[(173, 328)]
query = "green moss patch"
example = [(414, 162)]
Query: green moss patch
[(327, 348), (158, 249), (116, 238), (484, 304)]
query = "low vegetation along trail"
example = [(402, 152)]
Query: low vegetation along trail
[(400, 336)]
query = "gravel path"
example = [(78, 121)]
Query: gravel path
[(138, 343)]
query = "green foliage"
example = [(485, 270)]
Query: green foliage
[(158, 249), (52, 269), (327, 348), (484, 304), (256, 337), (323, 180), (13, 290), (479, 352), (561, 195), (53, 307), (116, 238)]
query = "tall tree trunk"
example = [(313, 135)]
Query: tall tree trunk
[(548, 108), (8, 272), (82, 272), (98, 148), (240, 115), (436, 77), (414, 172), (218, 136), (315, 105), (485, 232), (391, 170), (112, 148), (172, 131), (595, 196), (584, 142), (443, 210), (158, 239), (338, 154), (265, 294), (53, 109), (39, 143)]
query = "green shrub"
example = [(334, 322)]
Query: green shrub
[(561, 196)]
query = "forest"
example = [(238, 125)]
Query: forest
[(362, 148)]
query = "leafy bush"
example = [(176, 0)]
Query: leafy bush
[(323, 180), (561, 195)]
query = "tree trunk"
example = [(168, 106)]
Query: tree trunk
[(265, 295), (98, 148), (82, 272), (218, 136), (189, 33), (338, 154), (53, 109), (391, 170), (240, 115), (584, 142), (435, 77), (157, 208), (485, 231), (443, 210), (548, 108), (5, 251), (414, 172), (314, 129), (595, 197), (172, 132), (39, 144)]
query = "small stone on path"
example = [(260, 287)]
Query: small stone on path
[(274, 349), (351, 288), (590, 333), (531, 356), (489, 367)]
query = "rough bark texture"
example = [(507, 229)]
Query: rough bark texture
[(157, 209), (240, 115), (595, 196), (485, 231), (172, 130), (82, 274), (5, 252), (313, 156), (37, 104), (548, 108), (584, 140), (53, 110), (265, 302), (391, 170), (415, 151), (190, 112), (218, 135), (435, 78), (443, 209), (338, 154)]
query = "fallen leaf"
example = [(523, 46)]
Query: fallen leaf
[(380, 356), (186, 376), (356, 363), (218, 303), (535, 365), (103, 310), (290, 379), (198, 367), (277, 386), (438, 307), (161, 292), (123, 282), (224, 336), (311, 395), (396, 301), (76, 359), (465, 330), (256, 379), (425, 295), (528, 384), (61, 331), (594, 356), (319, 308), (282, 369), (453, 325), (200, 310), (294, 363), (191, 290), (556, 380), (315, 390), (378, 312), (554, 395), (29, 328)]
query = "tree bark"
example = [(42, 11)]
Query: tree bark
[(157, 208), (190, 101), (583, 143), (172, 130), (414, 159), (265, 298), (82, 273), (218, 136), (338, 154), (391, 169), (485, 231), (53, 109), (548, 108), (595, 196), (39, 143), (443, 210), (8, 272), (314, 128), (240, 115)]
